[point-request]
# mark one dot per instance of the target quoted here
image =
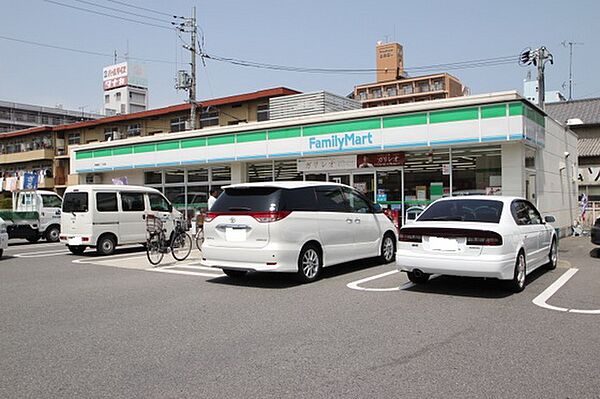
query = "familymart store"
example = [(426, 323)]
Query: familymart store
[(401, 156)]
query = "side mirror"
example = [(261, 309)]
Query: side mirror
[(377, 208), (549, 219)]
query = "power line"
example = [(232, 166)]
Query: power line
[(143, 8), (74, 50), (121, 11), (108, 15)]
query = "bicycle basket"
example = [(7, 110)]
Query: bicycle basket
[(153, 224)]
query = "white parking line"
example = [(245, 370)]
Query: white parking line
[(541, 299), (41, 254), (190, 266), (355, 285), (172, 271)]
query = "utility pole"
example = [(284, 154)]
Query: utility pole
[(570, 44), (538, 57), (187, 81)]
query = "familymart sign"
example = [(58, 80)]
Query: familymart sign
[(457, 126)]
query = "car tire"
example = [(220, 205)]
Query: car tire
[(552, 256), (310, 263), (106, 245), (388, 249), (52, 234), (33, 239), (418, 278), (1, 253), (517, 284), (235, 273), (76, 249)]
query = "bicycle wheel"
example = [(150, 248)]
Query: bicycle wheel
[(199, 239), (181, 245), (153, 251)]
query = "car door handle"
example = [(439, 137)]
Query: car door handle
[(357, 221), (348, 220)]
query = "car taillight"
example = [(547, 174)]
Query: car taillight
[(492, 240), (410, 237), (210, 216), (269, 217)]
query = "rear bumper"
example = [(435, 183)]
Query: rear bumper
[(271, 258), (77, 240), (492, 266)]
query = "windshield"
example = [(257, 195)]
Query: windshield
[(75, 202), (253, 199), (467, 210)]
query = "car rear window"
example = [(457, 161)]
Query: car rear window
[(463, 210), (75, 202), (248, 199)]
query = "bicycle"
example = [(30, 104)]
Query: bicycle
[(157, 244), (199, 236)]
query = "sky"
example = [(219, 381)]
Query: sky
[(307, 33)]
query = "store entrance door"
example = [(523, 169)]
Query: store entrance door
[(340, 178), (365, 183)]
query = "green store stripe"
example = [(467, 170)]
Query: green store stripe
[(351, 126), (218, 140), (493, 111), (169, 145), (285, 133), (405, 120), (191, 143), (122, 150), (515, 109), (103, 153), (454, 115), (143, 148), (253, 136)]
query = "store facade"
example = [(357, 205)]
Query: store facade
[(402, 156)]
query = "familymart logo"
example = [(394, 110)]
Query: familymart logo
[(340, 141)]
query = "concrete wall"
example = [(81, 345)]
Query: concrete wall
[(557, 187)]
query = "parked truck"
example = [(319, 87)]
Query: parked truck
[(35, 215)]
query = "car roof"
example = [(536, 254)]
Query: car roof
[(286, 184), (115, 187), (503, 198)]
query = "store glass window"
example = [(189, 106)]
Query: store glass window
[(529, 158), (426, 177), (175, 195), (153, 177), (477, 171), (198, 175), (221, 173), (389, 186), (174, 176), (260, 171), (287, 170), (316, 177)]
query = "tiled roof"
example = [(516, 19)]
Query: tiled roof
[(588, 110), (267, 93), (588, 147)]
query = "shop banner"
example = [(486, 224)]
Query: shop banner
[(30, 181), (380, 160), (322, 164)]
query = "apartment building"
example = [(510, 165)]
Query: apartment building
[(393, 86), (17, 116), (45, 149)]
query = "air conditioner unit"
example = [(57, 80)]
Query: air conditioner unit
[(97, 179)]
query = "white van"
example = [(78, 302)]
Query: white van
[(103, 216)]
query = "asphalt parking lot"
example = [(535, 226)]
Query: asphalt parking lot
[(89, 326)]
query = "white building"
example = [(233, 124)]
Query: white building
[(125, 89), (399, 155)]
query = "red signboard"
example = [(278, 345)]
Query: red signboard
[(380, 159)]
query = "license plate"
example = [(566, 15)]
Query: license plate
[(74, 241), (443, 244), (235, 234)]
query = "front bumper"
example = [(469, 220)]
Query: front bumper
[(3, 240), (492, 266), (271, 258)]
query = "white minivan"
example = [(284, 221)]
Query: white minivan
[(103, 216), (295, 227)]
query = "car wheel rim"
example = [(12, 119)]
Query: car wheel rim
[(310, 263), (521, 271), (107, 246), (388, 249), (54, 234), (553, 254)]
